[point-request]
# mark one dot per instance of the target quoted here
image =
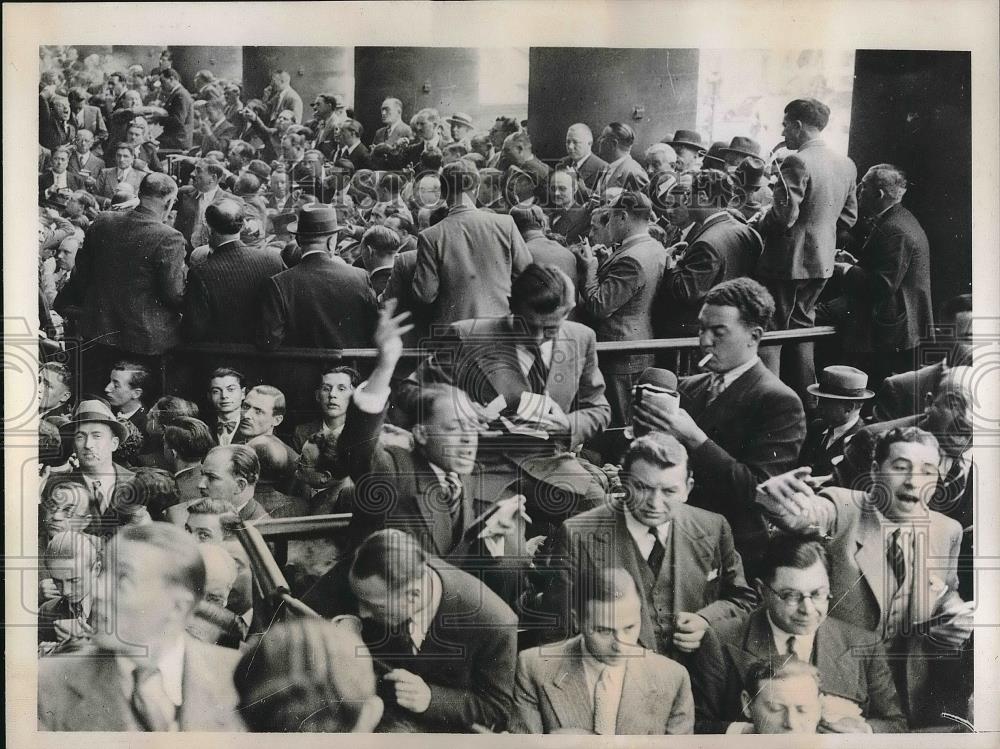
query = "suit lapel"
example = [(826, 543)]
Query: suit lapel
[(721, 409), (640, 709), (625, 554), (200, 709), (567, 689), (759, 642), (562, 385), (100, 701), (690, 558), (870, 556)]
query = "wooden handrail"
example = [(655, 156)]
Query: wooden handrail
[(774, 337)]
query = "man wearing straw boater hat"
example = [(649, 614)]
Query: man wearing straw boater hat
[(841, 391), (322, 302), (96, 435), (462, 128)]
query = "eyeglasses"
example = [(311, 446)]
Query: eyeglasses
[(794, 597)]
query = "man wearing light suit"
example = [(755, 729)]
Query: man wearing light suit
[(893, 566), (602, 681), (681, 557), (143, 672), (814, 200)]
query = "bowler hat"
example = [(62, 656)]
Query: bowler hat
[(97, 411), (315, 220), (688, 138), (744, 147), (460, 118), (750, 174), (842, 383)]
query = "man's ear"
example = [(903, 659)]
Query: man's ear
[(279, 419), (928, 400), (419, 434), (756, 334), (745, 702), (758, 585), (241, 484), (115, 442), (138, 393)]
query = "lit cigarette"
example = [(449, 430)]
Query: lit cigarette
[(705, 360)]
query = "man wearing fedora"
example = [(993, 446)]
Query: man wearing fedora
[(739, 149), (96, 435), (842, 391), (690, 150), (462, 128), (321, 302), (814, 200), (755, 190)]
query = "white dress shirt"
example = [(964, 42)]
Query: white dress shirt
[(526, 358), (728, 378), (837, 432), (641, 535), (171, 676), (803, 643), (592, 670)]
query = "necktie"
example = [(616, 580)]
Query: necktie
[(147, 697), (655, 558), (604, 717), (416, 637), (538, 374), (98, 496), (715, 387), (453, 485), (896, 556), (76, 609), (790, 648), (225, 428)]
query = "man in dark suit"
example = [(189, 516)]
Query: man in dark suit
[(73, 563), (143, 673), (322, 302), (221, 301), (719, 247), (682, 558), (885, 310), (379, 245), (893, 566), (448, 643), (841, 391), (906, 394), (854, 673), (58, 179), (329, 112), (127, 384), (60, 130), (465, 263), (601, 680), (400, 287), (566, 215), (814, 199), (739, 422), (618, 294), (82, 159), (214, 130), (85, 116), (622, 171), (393, 126), (530, 221), (517, 150), (230, 474), (178, 124), (129, 280), (587, 165), (351, 147)]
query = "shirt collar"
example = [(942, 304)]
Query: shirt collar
[(421, 623), (640, 532), (592, 667), (185, 470), (313, 252), (210, 195), (728, 378), (838, 432), (803, 643), (171, 667), (578, 165), (129, 414), (616, 162)]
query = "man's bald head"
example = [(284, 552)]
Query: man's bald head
[(225, 217), (157, 187), (579, 140)]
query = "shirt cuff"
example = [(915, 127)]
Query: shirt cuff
[(370, 402), (738, 727)]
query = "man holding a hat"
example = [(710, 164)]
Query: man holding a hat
[(321, 302), (842, 391), (690, 150), (96, 435)]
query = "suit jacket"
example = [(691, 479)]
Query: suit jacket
[(360, 157), (385, 135), (83, 692), (628, 175), (550, 693), (718, 250), (857, 551), (288, 99), (56, 132), (93, 120), (547, 251), (73, 182), (188, 214), (178, 125), (222, 299), (480, 357), (319, 303), (620, 298), (815, 196), (707, 572), (851, 663), (130, 274), (755, 430), (218, 139), (889, 290), (253, 511), (589, 171), (90, 163), (52, 611), (819, 456), (107, 182), (573, 223), (904, 394), (466, 263), (467, 657), (400, 288)]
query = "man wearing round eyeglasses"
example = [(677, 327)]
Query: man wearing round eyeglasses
[(858, 691)]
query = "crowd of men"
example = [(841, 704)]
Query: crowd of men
[(543, 536)]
